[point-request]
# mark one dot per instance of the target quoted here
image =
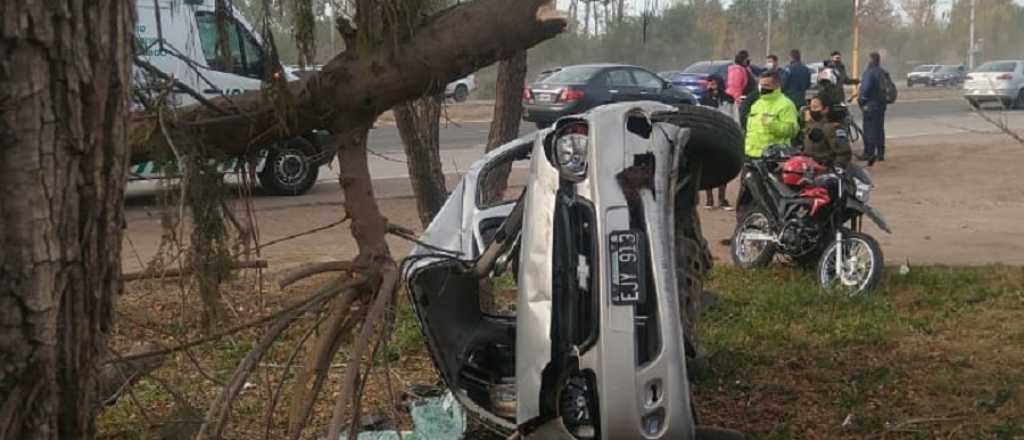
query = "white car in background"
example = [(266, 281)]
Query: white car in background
[(460, 89), (996, 81)]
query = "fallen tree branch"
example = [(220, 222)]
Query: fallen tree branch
[(172, 273), (307, 270), (220, 410), (347, 396), (318, 297)]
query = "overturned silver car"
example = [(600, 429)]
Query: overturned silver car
[(588, 275)]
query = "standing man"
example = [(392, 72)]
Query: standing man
[(797, 80), (773, 118), (717, 98), (873, 103)]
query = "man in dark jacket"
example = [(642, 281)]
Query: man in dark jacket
[(796, 80), (873, 104), (825, 140)]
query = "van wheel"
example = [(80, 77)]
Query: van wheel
[(461, 93), (288, 169)]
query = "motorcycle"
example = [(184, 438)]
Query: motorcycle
[(557, 314), (809, 214)]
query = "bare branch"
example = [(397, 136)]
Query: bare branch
[(345, 400), (307, 270), (333, 288), (171, 273)]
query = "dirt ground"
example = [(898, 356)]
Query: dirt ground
[(949, 200)]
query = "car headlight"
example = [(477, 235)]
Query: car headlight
[(571, 145), (863, 192)]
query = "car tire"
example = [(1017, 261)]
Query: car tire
[(715, 141), (289, 169), (461, 93)]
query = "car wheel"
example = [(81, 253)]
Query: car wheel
[(461, 93), (715, 140), (288, 169)]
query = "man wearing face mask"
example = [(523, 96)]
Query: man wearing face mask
[(824, 139), (773, 118)]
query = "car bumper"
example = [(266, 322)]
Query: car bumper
[(550, 113), (989, 94)]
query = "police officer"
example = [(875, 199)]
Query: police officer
[(824, 138)]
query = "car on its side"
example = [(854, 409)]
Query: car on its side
[(694, 78), (949, 75), (922, 75), (575, 89), (996, 81)]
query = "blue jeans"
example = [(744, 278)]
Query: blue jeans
[(874, 130)]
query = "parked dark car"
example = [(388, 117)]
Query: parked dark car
[(694, 78), (922, 75), (949, 76), (575, 89)]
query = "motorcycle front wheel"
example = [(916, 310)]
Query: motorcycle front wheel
[(860, 265), (750, 244)]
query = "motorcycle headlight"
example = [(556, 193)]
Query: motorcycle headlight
[(571, 147), (863, 192)]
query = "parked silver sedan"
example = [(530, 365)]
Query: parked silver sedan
[(996, 81)]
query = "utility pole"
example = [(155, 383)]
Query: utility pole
[(971, 47), (768, 39), (856, 39)]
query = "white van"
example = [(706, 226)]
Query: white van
[(180, 39)]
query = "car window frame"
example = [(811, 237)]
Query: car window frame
[(634, 71), (608, 77), (243, 39)]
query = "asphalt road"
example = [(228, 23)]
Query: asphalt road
[(385, 139)]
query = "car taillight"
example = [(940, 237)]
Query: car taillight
[(570, 94), (1005, 77), (527, 94)]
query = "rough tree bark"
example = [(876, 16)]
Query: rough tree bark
[(418, 124), (64, 82), (508, 114)]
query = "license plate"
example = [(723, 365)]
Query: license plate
[(545, 97), (628, 270)]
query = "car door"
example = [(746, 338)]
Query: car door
[(652, 88), (620, 85)]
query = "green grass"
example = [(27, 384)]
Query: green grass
[(935, 353)]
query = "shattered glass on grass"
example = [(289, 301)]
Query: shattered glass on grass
[(433, 418)]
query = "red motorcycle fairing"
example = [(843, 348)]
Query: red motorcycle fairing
[(819, 198)]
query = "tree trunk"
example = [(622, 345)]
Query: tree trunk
[(586, 18), (369, 226), (508, 112), (418, 124), (64, 83)]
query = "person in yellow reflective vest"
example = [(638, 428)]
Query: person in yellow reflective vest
[(773, 118)]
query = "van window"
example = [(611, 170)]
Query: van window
[(245, 57)]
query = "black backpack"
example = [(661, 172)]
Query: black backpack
[(888, 88)]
